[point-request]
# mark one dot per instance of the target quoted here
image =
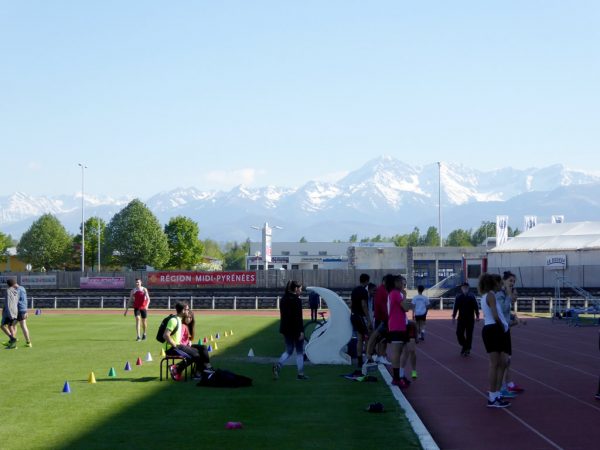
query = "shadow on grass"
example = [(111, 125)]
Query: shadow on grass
[(275, 414)]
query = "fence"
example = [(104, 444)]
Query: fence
[(524, 304)]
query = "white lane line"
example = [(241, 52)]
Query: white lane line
[(506, 410), (524, 375), (425, 438)]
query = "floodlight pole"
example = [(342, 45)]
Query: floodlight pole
[(83, 167)]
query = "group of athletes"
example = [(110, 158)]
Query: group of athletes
[(379, 318)]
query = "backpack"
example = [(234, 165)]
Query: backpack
[(160, 335), (224, 378)]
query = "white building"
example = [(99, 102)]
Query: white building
[(547, 253), (421, 265)]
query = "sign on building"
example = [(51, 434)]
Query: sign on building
[(556, 262), (201, 278)]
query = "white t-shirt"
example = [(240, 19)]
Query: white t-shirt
[(420, 303)]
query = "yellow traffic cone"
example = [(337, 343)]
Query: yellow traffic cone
[(92, 378), (162, 353), (216, 347)]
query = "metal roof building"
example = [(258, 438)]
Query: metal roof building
[(549, 252)]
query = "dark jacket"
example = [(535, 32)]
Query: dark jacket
[(290, 311), (466, 306)]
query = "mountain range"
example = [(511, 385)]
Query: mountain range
[(385, 196)]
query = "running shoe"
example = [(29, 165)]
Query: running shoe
[(401, 383), (516, 389), (175, 373), (276, 369), (28, 344), (413, 374), (301, 377), (498, 403), (12, 344), (144, 337), (384, 360), (406, 380), (137, 339), (505, 393), (369, 365)]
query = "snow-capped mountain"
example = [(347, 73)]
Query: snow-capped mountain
[(385, 196)]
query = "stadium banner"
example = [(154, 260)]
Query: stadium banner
[(556, 262), (5, 278), (558, 219), (529, 222), (501, 230), (38, 280), (201, 278), (102, 282)]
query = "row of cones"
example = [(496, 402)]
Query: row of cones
[(111, 373), (216, 336)]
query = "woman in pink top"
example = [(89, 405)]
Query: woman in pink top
[(397, 336)]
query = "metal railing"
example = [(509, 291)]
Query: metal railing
[(524, 304)]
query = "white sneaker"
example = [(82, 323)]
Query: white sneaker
[(384, 360), (368, 365)]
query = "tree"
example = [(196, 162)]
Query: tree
[(353, 238), (46, 244), (235, 256), (303, 240), (212, 249), (486, 230), (459, 238), (431, 238), (92, 225), (185, 247), (134, 238), (5, 242)]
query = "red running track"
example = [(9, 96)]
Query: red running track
[(557, 365)]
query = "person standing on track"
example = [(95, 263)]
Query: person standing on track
[(494, 337), (420, 303), (465, 305), (506, 297), (140, 298)]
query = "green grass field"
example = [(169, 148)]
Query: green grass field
[(135, 410)]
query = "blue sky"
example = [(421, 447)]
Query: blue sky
[(154, 95)]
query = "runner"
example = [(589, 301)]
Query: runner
[(140, 298)]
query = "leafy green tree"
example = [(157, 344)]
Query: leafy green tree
[(303, 240), (212, 249), (235, 255), (185, 247), (134, 238), (46, 244), (487, 229), (5, 242), (459, 238), (92, 225), (353, 238), (431, 238)]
